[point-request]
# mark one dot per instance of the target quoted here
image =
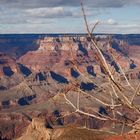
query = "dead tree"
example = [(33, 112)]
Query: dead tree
[(117, 91)]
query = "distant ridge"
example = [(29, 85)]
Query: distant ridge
[(22, 43)]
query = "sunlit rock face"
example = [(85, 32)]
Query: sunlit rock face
[(39, 51), (8, 65), (53, 51)]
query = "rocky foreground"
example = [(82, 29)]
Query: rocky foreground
[(37, 131)]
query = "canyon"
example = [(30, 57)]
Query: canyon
[(36, 69)]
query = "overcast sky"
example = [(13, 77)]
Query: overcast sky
[(65, 16)]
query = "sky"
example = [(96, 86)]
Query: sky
[(65, 16)]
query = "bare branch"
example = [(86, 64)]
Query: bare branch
[(78, 100), (94, 27), (81, 112), (136, 92)]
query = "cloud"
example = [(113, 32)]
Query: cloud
[(12, 16), (38, 15), (118, 28), (112, 26), (111, 22), (73, 3), (55, 12), (107, 22)]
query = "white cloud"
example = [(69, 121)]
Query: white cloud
[(111, 22), (51, 12), (106, 22), (119, 28)]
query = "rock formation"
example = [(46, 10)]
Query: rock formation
[(33, 78)]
